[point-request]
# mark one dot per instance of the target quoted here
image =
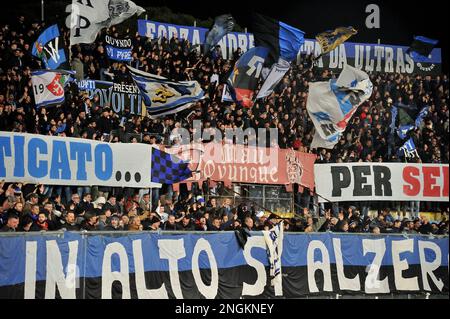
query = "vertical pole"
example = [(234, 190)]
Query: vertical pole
[(42, 10)]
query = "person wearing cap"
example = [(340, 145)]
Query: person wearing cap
[(32, 199), (113, 224)]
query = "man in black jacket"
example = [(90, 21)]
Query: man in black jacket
[(90, 221), (69, 222), (170, 224), (186, 224)]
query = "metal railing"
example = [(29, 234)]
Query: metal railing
[(61, 233)]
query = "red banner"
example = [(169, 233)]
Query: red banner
[(230, 163)]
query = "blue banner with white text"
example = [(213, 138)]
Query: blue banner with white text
[(142, 265), (369, 57)]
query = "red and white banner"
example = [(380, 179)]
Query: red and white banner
[(231, 163), (382, 181)]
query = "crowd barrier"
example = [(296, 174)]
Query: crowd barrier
[(213, 265)]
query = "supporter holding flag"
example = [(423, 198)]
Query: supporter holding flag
[(87, 18), (49, 47), (421, 48), (222, 25)]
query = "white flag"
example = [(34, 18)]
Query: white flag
[(48, 86), (274, 244), (88, 17), (226, 95), (332, 104), (274, 77)]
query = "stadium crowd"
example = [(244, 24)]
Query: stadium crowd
[(368, 138)]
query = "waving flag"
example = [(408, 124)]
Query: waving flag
[(222, 25), (394, 112), (49, 47), (168, 169), (422, 114), (244, 78), (88, 17), (403, 130), (274, 243), (282, 40), (421, 48), (48, 86), (274, 77), (162, 96), (332, 104), (406, 122), (330, 40), (408, 149)]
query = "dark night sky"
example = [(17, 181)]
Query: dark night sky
[(400, 20)]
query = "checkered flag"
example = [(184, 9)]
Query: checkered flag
[(168, 169)]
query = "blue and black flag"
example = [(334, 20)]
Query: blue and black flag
[(168, 169), (282, 40), (421, 48), (49, 47)]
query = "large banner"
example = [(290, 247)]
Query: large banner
[(116, 96), (150, 265), (195, 35), (369, 57), (50, 160), (236, 163), (382, 181), (383, 58)]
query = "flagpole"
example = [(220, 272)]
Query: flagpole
[(42, 11)]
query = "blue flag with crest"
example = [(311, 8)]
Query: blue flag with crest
[(49, 47)]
